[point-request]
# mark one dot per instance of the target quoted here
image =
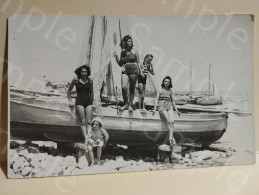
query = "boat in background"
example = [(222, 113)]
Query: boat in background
[(210, 98)]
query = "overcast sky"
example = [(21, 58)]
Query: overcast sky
[(50, 46)]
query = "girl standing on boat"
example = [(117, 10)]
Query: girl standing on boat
[(166, 106), (146, 68), (84, 103), (129, 61)]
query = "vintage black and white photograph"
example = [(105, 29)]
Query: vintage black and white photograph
[(106, 94)]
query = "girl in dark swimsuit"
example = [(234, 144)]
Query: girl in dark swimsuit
[(84, 104), (129, 61)]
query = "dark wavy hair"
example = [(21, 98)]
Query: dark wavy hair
[(124, 41), (148, 55), (170, 85), (78, 70)]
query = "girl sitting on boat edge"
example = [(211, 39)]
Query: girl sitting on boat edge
[(84, 99), (166, 105)]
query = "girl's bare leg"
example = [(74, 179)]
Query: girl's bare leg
[(133, 80), (99, 153), (171, 124), (165, 115), (144, 90), (140, 91), (124, 87), (91, 154), (88, 117), (81, 112)]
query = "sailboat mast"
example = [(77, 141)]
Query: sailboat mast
[(209, 78), (213, 89), (120, 30), (191, 78)]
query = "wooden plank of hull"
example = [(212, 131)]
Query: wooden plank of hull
[(34, 131), (30, 113), (198, 137), (43, 123)]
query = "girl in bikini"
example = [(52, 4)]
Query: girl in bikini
[(166, 106), (129, 61)]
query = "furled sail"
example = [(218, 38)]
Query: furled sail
[(110, 82), (103, 37), (105, 29), (96, 58), (84, 57)]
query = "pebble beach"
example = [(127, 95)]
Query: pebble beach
[(35, 161), (42, 159)]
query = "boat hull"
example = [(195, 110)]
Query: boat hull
[(207, 101), (36, 122)]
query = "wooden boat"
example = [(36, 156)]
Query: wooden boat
[(31, 119), (50, 118)]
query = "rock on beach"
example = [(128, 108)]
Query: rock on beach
[(19, 165)]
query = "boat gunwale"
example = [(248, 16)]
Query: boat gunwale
[(38, 106), (139, 119), (182, 120), (223, 115)]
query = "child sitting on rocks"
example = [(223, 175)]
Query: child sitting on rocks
[(97, 137)]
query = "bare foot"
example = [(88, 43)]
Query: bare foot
[(125, 107), (130, 109), (92, 164), (144, 110), (175, 156)]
